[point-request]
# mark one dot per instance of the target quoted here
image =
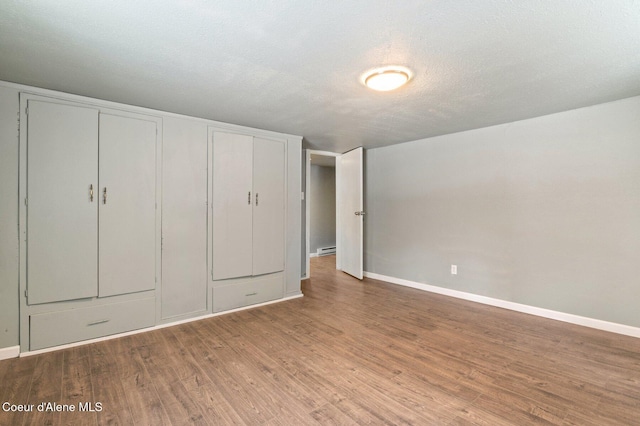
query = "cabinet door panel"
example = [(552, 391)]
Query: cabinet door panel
[(62, 164), (268, 210), (232, 224), (127, 238)]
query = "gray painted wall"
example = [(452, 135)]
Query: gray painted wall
[(322, 226), (543, 212), (9, 249)]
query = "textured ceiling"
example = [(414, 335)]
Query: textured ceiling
[(294, 66)]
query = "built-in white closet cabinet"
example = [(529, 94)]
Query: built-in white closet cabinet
[(115, 217), (248, 205), (90, 220), (248, 222)]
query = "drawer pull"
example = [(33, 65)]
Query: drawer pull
[(251, 294), (98, 322)]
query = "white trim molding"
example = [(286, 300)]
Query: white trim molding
[(513, 306), (9, 352)]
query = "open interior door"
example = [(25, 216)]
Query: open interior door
[(350, 213)]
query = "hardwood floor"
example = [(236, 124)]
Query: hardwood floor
[(349, 352)]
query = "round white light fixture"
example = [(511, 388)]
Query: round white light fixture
[(387, 78)]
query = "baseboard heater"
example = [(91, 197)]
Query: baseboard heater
[(323, 251)]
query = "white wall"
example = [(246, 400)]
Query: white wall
[(294, 217), (184, 218), (303, 215), (322, 226), (9, 249), (544, 212)]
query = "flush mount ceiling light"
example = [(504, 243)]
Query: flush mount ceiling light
[(388, 78)]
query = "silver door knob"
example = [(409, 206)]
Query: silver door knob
[(359, 213)]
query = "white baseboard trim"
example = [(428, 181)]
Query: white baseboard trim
[(313, 254), (541, 312), (144, 330), (9, 352)]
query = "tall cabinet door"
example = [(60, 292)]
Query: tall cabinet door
[(232, 205), (62, 166), (268, 210), (127, 232)]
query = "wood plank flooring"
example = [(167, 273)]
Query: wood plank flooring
[(349, 352)]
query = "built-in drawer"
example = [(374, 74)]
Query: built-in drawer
[(73, 325), (230, 294)]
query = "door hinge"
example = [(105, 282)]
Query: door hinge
[(26, 202), (26, 110), (26, 294)]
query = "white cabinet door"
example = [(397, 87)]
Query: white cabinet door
[(62, 167), (268, 209), (232, 205), (127, 205)]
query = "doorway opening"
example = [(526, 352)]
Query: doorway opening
[(321, 233), (348, 211)]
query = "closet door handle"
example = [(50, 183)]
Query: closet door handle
[(256, 198), (91, 193), (104, 196), (249, 198)]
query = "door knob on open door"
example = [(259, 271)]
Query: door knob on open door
[(359, 213)]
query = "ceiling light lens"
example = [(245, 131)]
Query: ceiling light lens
[(386, 79)]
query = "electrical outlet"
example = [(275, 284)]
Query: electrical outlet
[(454, 269)]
